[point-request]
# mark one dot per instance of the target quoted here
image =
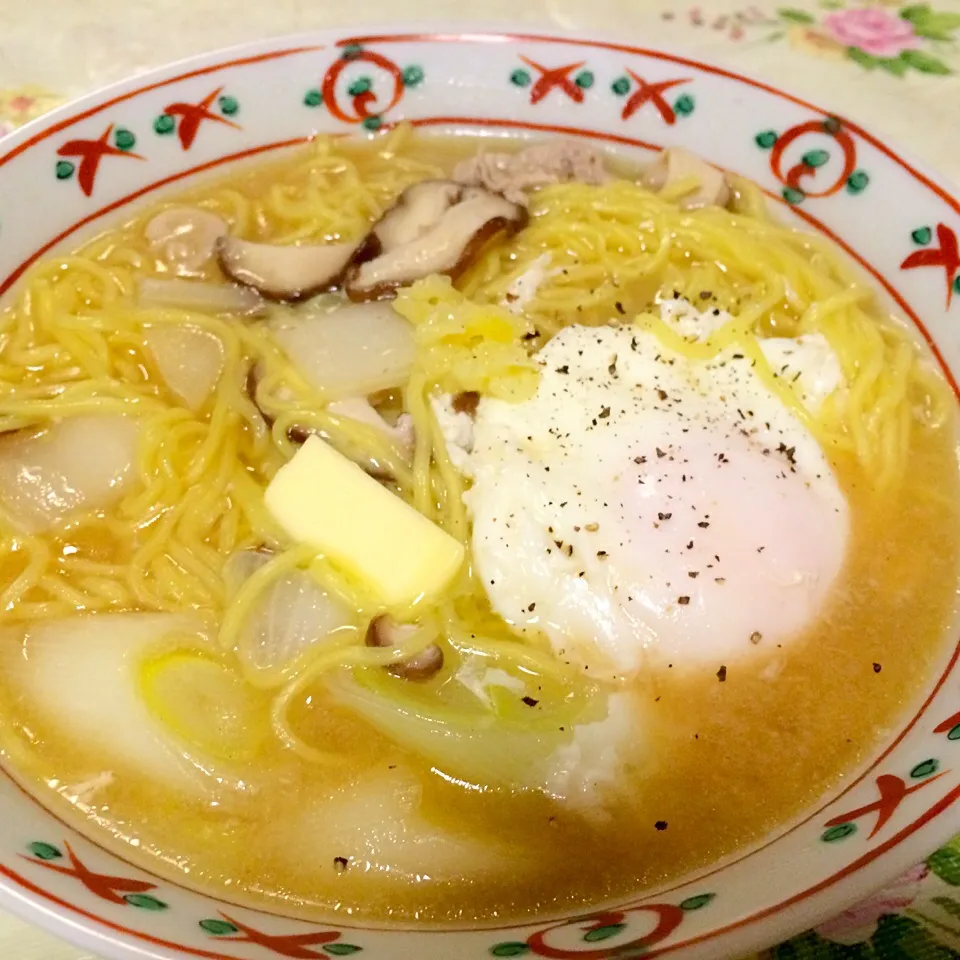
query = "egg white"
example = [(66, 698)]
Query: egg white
[(643, 507)]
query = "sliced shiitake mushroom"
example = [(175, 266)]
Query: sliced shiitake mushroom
[(285, 273), (436, 226), (384, 631), (362, 411), (185, 238), (676, 164), (417, 209), (353, 408)]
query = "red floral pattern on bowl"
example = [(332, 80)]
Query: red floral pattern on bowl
[(90, 160)]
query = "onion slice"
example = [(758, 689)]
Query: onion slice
[(293, 614), (202, 296), (190, 360)]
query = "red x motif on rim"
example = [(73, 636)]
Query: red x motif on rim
[(90, 153), (290, 945), (558, 77), (651, 93), (192, 116), (101, 884), (948, 724), (892, 792), (946, 255)]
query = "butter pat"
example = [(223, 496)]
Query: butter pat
[(325, 500)]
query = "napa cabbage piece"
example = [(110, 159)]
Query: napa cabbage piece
[(345, 349), (77, 464), (495, 732), (377, 822), (464, 346)]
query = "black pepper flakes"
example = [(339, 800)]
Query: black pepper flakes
[(340, 864), (529, 701), (722, 674), (683, 601), (604, 413), (661, 825), (756, 637), (877, 668)]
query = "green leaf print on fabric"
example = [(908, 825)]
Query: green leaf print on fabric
[(934, 25), (945, 863)]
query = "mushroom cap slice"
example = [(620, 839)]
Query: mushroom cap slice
[(286, 273), (435, 227), (361, 410), (185, 238), (418, 208), (675, 164), (384, 631)]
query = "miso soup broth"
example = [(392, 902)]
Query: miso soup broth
[(401, 531)]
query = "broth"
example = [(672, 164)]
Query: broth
[(727, 760)]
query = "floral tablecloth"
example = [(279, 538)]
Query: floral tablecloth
[(893, 65)]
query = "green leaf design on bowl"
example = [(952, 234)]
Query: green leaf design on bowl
[(857, 181), (924, 769), (124, 139), (840, 832), (515, 949), (218, 928), (603, 933), (44, 851), (695, 903), (144, 901)]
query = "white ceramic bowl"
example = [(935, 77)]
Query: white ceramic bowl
[(76, 169)]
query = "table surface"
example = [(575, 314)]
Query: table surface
[(894, 65)]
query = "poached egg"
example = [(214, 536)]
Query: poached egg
[(646, 507)]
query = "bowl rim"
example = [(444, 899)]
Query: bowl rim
[(856, 879)]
